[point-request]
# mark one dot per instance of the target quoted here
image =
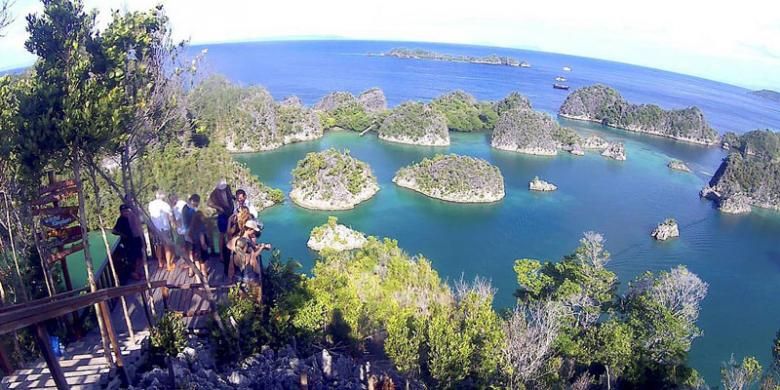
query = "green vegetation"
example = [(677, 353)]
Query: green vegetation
[(169, 336), (344, 111), (528, 131), (252, 324), (464, 113), (605, 105), (416, 123), (639, 339), (454, 177), (333, 177), (513, 101), (751, 172), (247, 118), (764, 144)]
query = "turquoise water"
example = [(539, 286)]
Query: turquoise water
[(738, 256)]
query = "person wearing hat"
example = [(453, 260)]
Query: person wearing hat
[(222, 201), (246, 263)]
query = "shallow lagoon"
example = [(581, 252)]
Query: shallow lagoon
[(737, 255)]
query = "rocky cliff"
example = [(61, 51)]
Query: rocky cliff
[(525, 131), (335, 236), (538, 184), (343, 110), (332, 180), (616, 151), (602, 104), (666, 230), (415, 123), (678, 165), (454, 178), (247, 119)]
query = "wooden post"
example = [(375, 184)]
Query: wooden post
[(42, 339), (114, 344)]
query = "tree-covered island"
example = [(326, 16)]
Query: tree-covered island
[(454, 178), (749, 175), (332, 180), (602, 104), (415, 123)]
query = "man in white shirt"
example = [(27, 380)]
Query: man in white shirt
[(162, 219), (242, 200)]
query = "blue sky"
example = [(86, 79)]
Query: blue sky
[(733, 42)]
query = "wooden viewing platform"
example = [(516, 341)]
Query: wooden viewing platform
[(84, 364)]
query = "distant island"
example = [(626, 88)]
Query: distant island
[(767, 94), (421, 54), (415, 123), (602, 104), (332, 180), (750, 175), (454, 178)]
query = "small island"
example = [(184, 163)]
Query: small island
[(767, 94), (422, 54), (615, 151), (342, 110), (454, 178), (750, 175), (332, 180), (666, 230), (595, 142), (678, 165), (335, 236), (602, 104), (415, 123), (525, 131), (538, 184)]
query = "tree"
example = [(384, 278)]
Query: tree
[(739, 376), (531, 333), (66, 96), (5, 15), (662, 310), (611, 344)]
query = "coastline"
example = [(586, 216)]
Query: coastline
[(528, 151), (654, 133), (298, 198), (412, 185), (407, 141)]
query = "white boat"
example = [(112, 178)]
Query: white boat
[(566, 69), (525, 65), (560, 78)]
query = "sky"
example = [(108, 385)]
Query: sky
[(737, 42)]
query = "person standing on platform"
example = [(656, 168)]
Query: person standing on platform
[(162, 219), (128, 228), (222, 201)]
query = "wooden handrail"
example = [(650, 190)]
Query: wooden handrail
[(52, 298), (23, 317)]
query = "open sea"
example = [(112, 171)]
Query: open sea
[(739, 256)]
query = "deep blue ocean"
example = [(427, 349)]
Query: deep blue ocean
[(739, 256)]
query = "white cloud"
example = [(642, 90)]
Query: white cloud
[(736, 42)]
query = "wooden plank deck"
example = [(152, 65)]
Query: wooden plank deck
[(84, 364)]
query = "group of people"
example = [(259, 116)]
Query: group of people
[(181, 223)]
